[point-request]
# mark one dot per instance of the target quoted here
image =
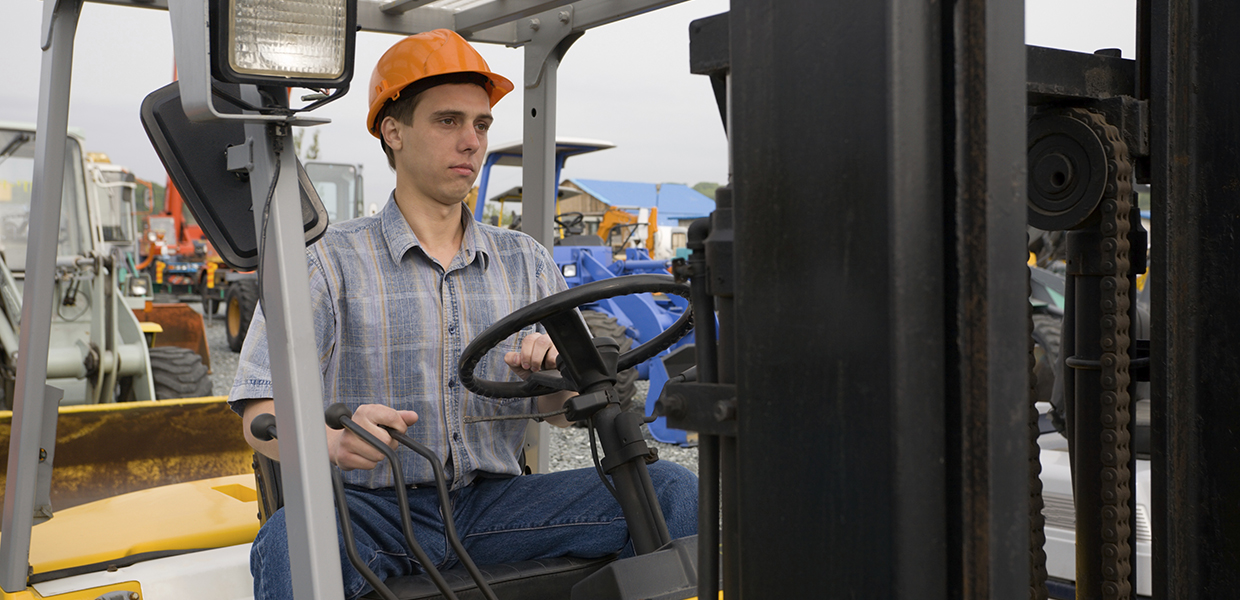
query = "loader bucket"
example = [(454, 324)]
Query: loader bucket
[(104, 450), (182, 327)]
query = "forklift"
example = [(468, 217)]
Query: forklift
[(867, 419)]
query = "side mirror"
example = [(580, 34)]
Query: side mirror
[(195, 155)]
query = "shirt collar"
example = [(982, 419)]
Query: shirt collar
[(400, 238)]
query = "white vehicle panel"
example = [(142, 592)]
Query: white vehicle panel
[(219, 574)]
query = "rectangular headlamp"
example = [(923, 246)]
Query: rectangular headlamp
[(296, 43)]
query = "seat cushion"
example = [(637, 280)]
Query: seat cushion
[(528, 580)]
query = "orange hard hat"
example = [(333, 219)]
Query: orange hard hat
[(427, 54)]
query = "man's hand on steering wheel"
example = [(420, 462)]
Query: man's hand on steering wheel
[(584, 365), (536, 354)]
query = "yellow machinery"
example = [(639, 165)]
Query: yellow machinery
[(619, 225)]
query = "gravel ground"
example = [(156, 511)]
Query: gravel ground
[(570, 447), (223, 360)]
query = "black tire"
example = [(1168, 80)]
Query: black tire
[(1047, 333), (240, 301), (178, 373), (602, 324)]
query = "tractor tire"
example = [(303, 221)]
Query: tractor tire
[(602, 324), (178, 373), (1047, 333), (240, 302)]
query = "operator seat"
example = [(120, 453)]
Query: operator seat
[(526, 580)]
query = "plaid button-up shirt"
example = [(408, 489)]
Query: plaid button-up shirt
[(391, 323)]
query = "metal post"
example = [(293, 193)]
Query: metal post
[(314, 554), (706, 352), (60, 18), (720, 257), (551, 34), (1195, 163), (837, 182), (987, 310), (906, 313), (1084, 251)]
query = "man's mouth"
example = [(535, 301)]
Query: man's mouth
[(464, 169)]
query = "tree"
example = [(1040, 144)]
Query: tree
[(157, 198), (491, 214), (313, 151), (706, 188)]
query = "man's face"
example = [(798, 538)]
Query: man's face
[(440, 152)]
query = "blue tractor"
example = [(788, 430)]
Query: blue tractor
[(584, 257)]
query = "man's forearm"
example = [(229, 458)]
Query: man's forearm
[(554, 402)]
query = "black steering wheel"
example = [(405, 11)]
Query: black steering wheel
[(571, 337), (570, 222)]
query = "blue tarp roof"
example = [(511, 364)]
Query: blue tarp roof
[(675, 201)]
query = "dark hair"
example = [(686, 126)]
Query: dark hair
[(401, 108)]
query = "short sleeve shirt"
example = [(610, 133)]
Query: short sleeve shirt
[(390, 323)]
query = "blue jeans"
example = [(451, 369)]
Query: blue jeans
[(568, 513)]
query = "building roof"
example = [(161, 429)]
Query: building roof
[(675, 201), (511, 154)]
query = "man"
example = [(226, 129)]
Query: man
[(396, 298)]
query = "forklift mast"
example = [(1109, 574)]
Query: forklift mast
[(897, 401)]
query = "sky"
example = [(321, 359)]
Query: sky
[(627, 83)]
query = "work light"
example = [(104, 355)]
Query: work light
[(296, 43)]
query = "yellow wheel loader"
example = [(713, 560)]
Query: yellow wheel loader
[(116, 356)]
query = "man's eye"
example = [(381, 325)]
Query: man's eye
[(447, 120), (484, 126)]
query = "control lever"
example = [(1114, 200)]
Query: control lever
[(264, 429), (688, 376), (445, 503), (339, 416)]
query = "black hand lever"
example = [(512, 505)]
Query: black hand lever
[(350, 545), (263, 427), (339, 416), (446, 504)]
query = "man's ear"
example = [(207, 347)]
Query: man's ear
[(391, 133)]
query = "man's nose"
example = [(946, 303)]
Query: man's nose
[(470, 139)]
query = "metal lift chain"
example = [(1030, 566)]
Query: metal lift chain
[(1116, 451), (1037, 521)]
